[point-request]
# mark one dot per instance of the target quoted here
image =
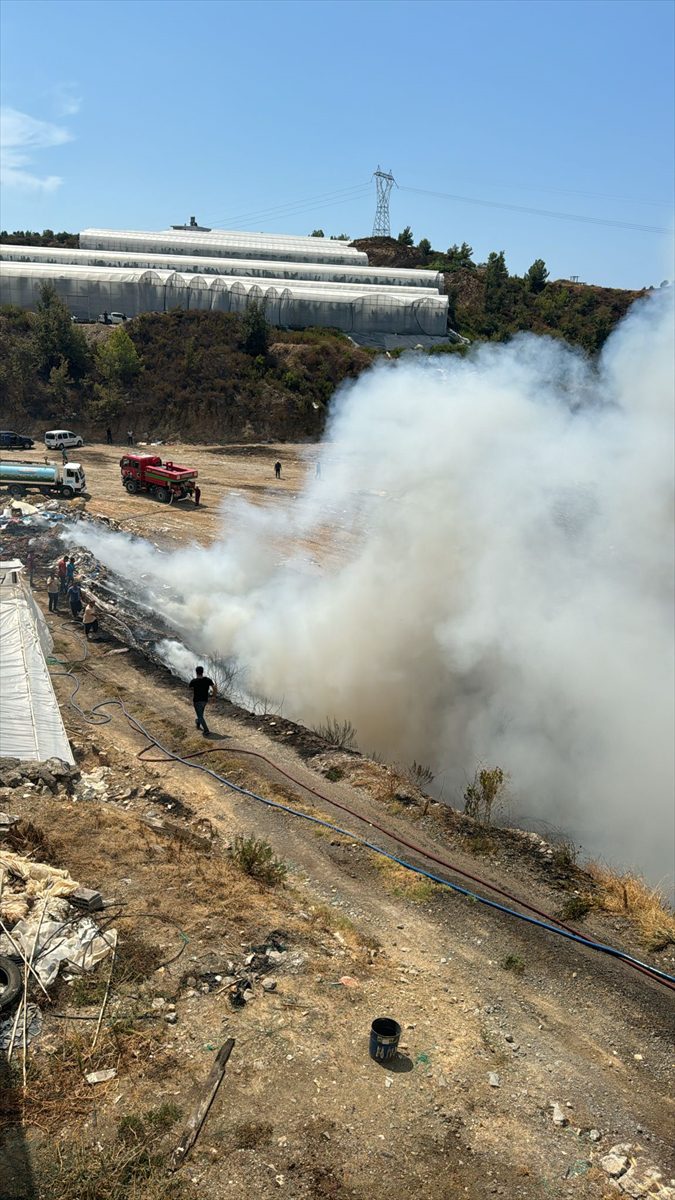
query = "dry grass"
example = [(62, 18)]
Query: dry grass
[(629, 896), (397, 881)]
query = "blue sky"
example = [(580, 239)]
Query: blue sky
[(138, 114)]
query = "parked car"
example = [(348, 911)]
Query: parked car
[(112, 318), (15, 441), (60, 439)]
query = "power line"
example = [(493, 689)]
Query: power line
[(539, 212), (292, 205)]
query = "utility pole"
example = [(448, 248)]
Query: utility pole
[(384, 182)]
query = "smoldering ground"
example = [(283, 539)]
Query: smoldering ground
[(503, 590)]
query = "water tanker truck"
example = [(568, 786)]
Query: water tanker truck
[(165, 481), (52, 479)]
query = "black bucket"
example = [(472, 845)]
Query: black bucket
[(384, 1036)]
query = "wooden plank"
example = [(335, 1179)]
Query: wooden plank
[(201, 1110)]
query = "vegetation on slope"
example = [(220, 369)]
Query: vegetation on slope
[(197, 375), (488, 303), (27, 237)]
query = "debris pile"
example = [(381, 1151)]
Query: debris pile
[(45, 928), (238, 980), (53, 775)]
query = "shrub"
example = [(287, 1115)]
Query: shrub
[(480, 796), (341, 734), (513, 963), (256, 858)]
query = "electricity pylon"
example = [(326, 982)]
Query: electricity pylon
[(384, 182)]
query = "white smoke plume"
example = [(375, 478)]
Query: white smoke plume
[(498, 583)]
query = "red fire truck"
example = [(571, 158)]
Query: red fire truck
[(165, 481)]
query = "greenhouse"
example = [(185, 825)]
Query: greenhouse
[(385, 277), (89, 291), (224, 244)]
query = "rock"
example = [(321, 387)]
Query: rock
[(269, 985), (171, 1018), (641, 1181), (494, 1080), (595, 1135), (614, 1164), (558, 1115), (508, 1037)]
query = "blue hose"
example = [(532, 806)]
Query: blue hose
[(655, 972)]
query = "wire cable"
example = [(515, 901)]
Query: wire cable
[(96, 718), (539, 212)]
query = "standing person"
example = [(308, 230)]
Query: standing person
[(108, 436), (198, 494), (61, 569), (53, 592), (277, 469), (75, 599), (317, 472), (70, 571), (31, 565), (130, 437), (64, 454), (90, 620), (202, 687)]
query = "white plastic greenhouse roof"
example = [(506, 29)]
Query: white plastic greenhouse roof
[(353, 273), (30, 719), (306, 289), (224, 243)]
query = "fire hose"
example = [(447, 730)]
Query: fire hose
[(541, 920)]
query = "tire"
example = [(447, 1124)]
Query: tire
[(16, 489), (163, 495), (67, 492), (79, 443), (11, 983), (131, 486), (59, 445)]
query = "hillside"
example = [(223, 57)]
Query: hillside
[(486, 302), (174, 375)]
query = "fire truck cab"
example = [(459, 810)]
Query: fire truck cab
[(165, 481)]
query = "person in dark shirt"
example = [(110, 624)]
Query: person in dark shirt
[(277, 469), (75, 599), (202, 688)]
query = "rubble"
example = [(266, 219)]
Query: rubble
[(53, 775)]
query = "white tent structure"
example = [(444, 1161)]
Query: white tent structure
[(226, 243), (30, 719)]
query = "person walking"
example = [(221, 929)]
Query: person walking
[(277, 469), (75, 599), (90, 619), (64, 455), (198, 494), (202, 689), (53, 592), (108, 436), (317, 470), (62, 569), (70, 572)]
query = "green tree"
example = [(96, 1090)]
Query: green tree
[(405, 237), (340, 237), (317, 233), (460, 256), (537, 275), (424, 246), (60, 382), (117, 358), (57, 337), (496, 279), (256, 330)]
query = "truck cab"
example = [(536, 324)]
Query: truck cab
[(165, 481)]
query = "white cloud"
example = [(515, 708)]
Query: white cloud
[(20, 136)]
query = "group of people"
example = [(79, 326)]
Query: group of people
[(63, 582)]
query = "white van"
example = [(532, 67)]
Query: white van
[(59, 439)]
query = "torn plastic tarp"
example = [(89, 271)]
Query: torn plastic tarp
[(78, 941)]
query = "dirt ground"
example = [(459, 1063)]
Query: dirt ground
[(303, 1111), (500, 1021), (224, 473)]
